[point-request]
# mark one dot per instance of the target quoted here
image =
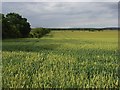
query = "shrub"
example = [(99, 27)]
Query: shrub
[(38, 32)]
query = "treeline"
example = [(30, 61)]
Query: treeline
[(83, 29), (15, 26)]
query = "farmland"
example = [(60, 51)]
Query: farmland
[(61, 59)]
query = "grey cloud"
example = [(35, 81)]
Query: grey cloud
[(60, 1), (67, 14)]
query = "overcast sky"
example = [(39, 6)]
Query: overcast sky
[(69, 14)]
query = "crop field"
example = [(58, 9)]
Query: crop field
[(61, 59)]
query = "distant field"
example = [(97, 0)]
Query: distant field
[(62, 59), (82, 34)]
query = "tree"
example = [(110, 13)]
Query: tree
[(13, 26), (1, 25)]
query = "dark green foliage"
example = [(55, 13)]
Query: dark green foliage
[(83, 29), (1, 25), (38, 32), (14, 26)]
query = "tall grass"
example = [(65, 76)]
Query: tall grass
[(62, 59)]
